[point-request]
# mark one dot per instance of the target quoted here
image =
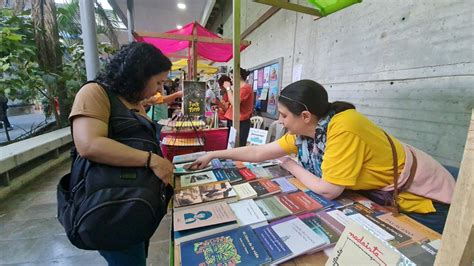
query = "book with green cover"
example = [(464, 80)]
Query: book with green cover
[(272, 208)]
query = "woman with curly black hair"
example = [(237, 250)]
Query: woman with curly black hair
[(135, 73)]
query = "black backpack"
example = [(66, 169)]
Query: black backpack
[(104, 207)]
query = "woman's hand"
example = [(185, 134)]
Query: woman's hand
[(226, 85), (201, 162), (162, 168)]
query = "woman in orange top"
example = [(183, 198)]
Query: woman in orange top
[(340, 148), (246, 105)]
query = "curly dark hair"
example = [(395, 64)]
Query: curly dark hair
[(222, 79), (131, 68)]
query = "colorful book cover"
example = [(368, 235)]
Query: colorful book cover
[(247, 212), (298, 184), (273, 244), (228, 164), (326, 203), (424, 230), (238, 246), (247, 174), (375, 208), (265, 187), (197, 179), (400, 238), (336, 219), (244, 191), (320, 228), (261, 172), (305, 201), (203, 215), (233, 175), (220, 174), (294, 206), (216, 164), (358, 244), (285, 186), (203, 193), (272, 208), (277, 171), (299, 238), (194, 94)]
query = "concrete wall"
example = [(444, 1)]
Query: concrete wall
[(407, 65)]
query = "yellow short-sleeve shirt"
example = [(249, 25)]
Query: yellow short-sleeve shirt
[(359, 157)]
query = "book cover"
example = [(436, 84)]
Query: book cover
[(272, 208), (298, 184), (239, 164), (299, 238), (233, 175), (400, 238), (203, 215), (277, 171), (195, 233), (335, 218), (377, 231), (320, 228), (375, 208), (183, 168), (357, 244), (203, 193), (420, 254), (265, 187), (247, 174), (326, 203), (216, 164), (247, 212), (273, 244), (305, 201), (244, 191), (220, 174), (261, 172), (285, 186), (188, 157), (424, 230), (194, 94), (294, 206), (238, 246), (257, 137), (197, 179)]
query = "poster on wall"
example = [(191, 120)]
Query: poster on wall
[(250, 80), (267, 86)]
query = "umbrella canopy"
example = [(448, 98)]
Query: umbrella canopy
[(205, 68), (206, 47)]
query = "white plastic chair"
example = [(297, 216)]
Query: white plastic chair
[(275, 131), (256, 121)]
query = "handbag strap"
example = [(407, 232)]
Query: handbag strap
[(395, 174)]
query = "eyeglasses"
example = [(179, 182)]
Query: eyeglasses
[(288, 98)]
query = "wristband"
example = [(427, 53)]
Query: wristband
[(147, 164)]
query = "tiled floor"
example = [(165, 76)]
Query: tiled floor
[(30, 234)]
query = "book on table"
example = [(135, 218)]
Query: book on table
[(203, 215), (204, 193), (272, 208), (197, 179), (265, 187), (248, 213), (244, 191), (237, 246)]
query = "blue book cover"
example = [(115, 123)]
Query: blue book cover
[(233, 175), (323, 201), (272, 242), (216, 164), (220, 175), (238, 246)]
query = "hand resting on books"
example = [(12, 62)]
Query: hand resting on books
[(201, 162)]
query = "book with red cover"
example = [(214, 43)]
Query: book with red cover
[(299, 202), (265, 187), (247, 174)]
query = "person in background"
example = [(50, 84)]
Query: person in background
[(223, 104), (210, 97), (135, 73), (338, 148), (246, 105), (3, 112)]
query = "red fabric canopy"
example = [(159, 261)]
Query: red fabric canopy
[(213, 51)]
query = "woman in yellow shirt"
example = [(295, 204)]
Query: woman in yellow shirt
[(340, 148)]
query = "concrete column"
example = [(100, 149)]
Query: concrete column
[(89, 37), (130, 19)]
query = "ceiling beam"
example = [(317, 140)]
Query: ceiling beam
[(207, 11), (118, 11), (268, 14), (290, 6), (187, 37)]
